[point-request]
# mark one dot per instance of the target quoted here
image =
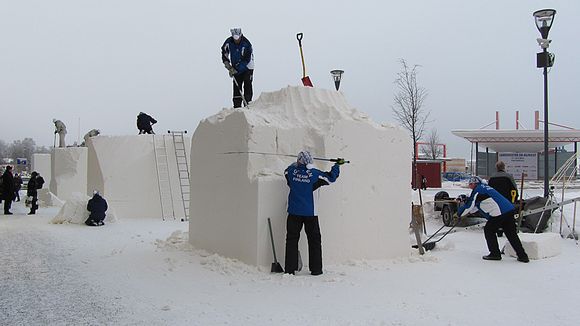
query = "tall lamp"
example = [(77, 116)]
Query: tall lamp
[(337, 76), (544, 19)]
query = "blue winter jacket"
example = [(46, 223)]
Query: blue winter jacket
[(487, 201), (303, 180), (97, 206), (240, 56)]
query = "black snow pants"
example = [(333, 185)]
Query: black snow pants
[(293, 227), (508, 223), (245, 82)]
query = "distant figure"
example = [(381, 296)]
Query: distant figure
[(91, 133), (238, 59), (504, 183), (423, 182), (60, 129), (36, 182), (7, 189), (499, 213), (303, 179), (145, 123), (17, 186), (97, 206)]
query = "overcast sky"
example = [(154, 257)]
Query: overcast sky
[(101, 62)]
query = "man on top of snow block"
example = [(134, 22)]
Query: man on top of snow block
[(303, 179), (60, 129), (238, 58), (499, 212), (145, 123), (97, 206)]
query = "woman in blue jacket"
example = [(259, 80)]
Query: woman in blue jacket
[(499, 212), (303, 179)]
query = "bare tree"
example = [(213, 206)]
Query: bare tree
[(434, 150), (408, 105)]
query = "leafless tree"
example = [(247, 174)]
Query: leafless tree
[(433, 150), (408, 104)]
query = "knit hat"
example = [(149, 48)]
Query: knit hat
[(304, 158)]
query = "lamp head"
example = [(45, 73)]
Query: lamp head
[(544, 19)]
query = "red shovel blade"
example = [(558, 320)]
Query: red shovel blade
[(306, 81)]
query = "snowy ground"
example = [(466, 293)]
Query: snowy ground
[(143, 272)]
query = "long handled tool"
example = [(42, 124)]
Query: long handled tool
[(305, 79), (288, 155), (430, 245), (276, 267), (240, 90)]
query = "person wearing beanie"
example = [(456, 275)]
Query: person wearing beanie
[(499, 213), (238, 59), (303, 179)]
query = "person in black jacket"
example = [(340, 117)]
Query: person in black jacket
[(504, 183), (97, 206), (8, 189), (17, 186), (145, 123), (35, 183)]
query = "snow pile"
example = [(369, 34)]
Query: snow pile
[(75, 211), (68, 171), (232, 195), (178, 240)]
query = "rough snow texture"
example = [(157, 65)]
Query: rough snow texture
[(75, 211), (364, 215), (123, 169), (68, 171), (538, 245)]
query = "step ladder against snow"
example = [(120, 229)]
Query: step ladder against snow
[(182, 169), (163, 177)]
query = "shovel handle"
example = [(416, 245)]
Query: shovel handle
[(299, 38)]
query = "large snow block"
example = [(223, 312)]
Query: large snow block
[(124, 170), (41, 163), (68, 171), (363, 215), (538, 245)]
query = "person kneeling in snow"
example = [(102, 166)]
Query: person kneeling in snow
[(97, 206), (303, 179), (499, 212)]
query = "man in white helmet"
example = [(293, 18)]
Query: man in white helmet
[(238, 59), (60, 129)]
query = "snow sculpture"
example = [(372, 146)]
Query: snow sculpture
[(68, 171), (364, 215), (123, 169)]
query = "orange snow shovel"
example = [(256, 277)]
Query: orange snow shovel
[(305, 79)]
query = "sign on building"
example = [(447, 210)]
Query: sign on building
[(518, 163)]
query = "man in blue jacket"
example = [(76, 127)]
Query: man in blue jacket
[(303, 179), (238, 58), (499, 212)]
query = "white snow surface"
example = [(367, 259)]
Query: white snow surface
[(144, 272)]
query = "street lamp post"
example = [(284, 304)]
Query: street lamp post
[(337, 76), (544, 19)]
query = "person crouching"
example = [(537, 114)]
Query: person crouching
[(97, 206)]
